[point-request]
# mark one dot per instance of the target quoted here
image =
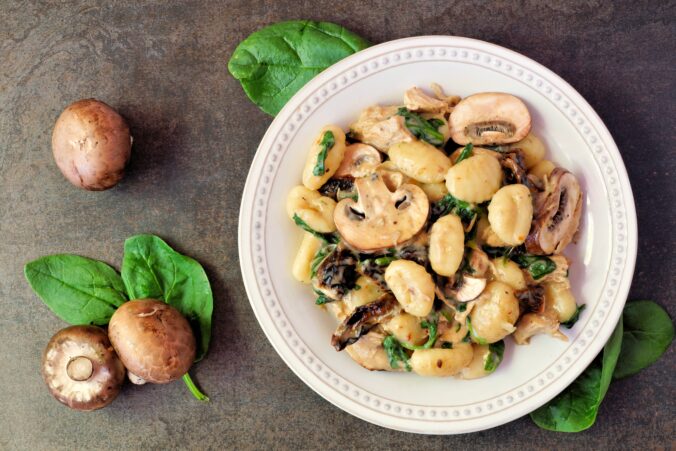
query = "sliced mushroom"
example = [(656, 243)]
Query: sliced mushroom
[(338, 189), (380, 218), (532, 324), (490, 118), (514, 168), (369, 352), (479, 262), (557, 214), (467, 288), (363, 319), (359, 160), (392, 175), (336, 274), (532, 299), (381, 127), (415, 99)]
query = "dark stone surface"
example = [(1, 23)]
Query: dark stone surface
[(163, 66)]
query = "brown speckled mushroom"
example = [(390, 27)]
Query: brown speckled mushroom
[(91, 145), (154, 341), (81, 368)]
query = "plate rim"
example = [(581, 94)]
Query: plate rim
[(415, 424)]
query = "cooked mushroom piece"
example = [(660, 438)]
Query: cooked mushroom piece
[(467, 288), (363, 319), (532, 299), (381, 127), (369, 352), (479, 262), (380, 218), (359, 160), (336, 274), (490, 118), (338, 189), (556, 215), (153, 340), (81, 368), (514, 168), (537, 323)]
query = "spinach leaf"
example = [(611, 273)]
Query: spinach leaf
[(319, 257), (328, 238), (475, 338), (431, 326), (152, 269), (78, 290), (465, 153), (326, 144), (576, 316), (450, 204), (496, 351), (575, 409), (648, 332), (421, 128), (395, 352), (538, 266), (323, 299), (384, 261), (273, 63)]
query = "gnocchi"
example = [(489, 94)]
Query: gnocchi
[(447, 245), (420, 161), (428, 262), (325, 156), (510, 214), (411, 285), (475, 179), (312, 208)]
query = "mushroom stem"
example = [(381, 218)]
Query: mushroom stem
[(80, 368), (193, 388)]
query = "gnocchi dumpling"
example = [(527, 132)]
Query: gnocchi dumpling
[(411, 285), (440, 361), (406, 328), (508, 272), (434, 191), (532, 148), (560, 300), (420, 161), (325, 156), (475, 179), (510, 213), (477, 367), (301, 268), (447, 245), (542, 169), (368, 292), (494, 315), (313, 208)]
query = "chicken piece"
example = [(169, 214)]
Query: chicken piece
[(381, 127), (537, 323)]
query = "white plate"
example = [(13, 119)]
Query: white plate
[(603, 259)]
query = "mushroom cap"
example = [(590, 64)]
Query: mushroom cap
[(81, 368), (490, 118), (381, 218), (91, 145), (153, 340), (359, 160)]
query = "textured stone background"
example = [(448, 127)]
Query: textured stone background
[(163, 65)]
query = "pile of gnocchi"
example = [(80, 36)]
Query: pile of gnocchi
[(435, 229)]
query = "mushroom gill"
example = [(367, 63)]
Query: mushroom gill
[(364, 318)]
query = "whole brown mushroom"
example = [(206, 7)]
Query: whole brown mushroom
[(153, 339), (81, 368), (91, 145)]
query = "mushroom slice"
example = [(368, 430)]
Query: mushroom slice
[(338, 189), (490, 118), (514, 168), (81, 368), (479, 262), (537, 323), (467, 288), (363, 319), (381, 127), (415, 99), (557, 214), (380, 218), (359, 160), (370, 353), (532, 299), (336, 274)]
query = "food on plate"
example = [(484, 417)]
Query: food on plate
[(153, 340), (91, 145), (434, 231), (81, 368)]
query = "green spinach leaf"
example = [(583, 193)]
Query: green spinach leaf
[(395, 352), (326, 144), (152, 269), (273, 63), (328, 238), (465, 153), (575, 408), (78, 290), (470, 332), (422, 128), (431, 327), (648, 332), (538, 266), (576, 316), (450, 204), (496, 352), (319, 257)]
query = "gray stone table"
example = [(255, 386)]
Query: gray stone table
[(163, 64)]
